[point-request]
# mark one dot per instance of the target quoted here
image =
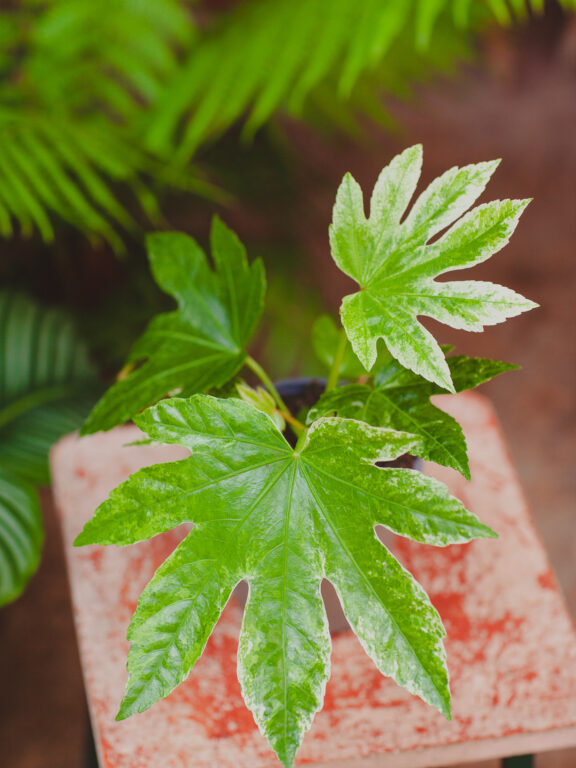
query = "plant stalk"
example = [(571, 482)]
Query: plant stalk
[(334, 375), (256, 368)]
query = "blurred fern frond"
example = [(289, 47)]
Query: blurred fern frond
[(47, 386), (75, 79), (266, 56), (113, 55), (102, 103), (67, 169)]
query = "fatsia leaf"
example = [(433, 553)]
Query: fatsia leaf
[(401, 401), (395, 261), (21, 535), (202, 344), (283, 519)]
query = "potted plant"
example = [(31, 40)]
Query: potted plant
[(283, 498)]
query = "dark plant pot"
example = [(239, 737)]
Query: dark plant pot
[(304, 393)]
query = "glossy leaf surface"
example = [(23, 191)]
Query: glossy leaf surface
[(401, 400), (394, 259), (283, 519), (202, 344)]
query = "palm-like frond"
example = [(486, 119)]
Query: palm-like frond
[(46, 383), (21, 535), (46, 390)]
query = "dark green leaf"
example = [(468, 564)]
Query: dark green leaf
[(46, 381), (21, 535), (201, 345), (46, 384)]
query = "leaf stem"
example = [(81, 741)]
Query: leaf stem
[(299, 428), (256, 368), (334, 375)]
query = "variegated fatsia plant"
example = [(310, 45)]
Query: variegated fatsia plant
[(286, 514)]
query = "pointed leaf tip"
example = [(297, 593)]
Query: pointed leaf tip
[(485, 532), (84, 538)]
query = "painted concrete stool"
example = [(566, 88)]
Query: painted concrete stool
[(511, 645)]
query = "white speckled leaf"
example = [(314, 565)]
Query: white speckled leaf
[(395, 264), (282, 519), (401, 400)]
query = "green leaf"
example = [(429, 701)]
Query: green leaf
[(401, 401), (347, 402), (283, 519), (21, 535), (202, 344), (325, 339), (45, 385), (392, 258)]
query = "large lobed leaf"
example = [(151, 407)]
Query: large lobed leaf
[(202, 344), (401, 400), (283, 519), (395, 259), (46, 389)]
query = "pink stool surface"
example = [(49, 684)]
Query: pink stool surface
[(511, 644)]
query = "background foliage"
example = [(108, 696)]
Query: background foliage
[(46, 388), (103, 105)]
